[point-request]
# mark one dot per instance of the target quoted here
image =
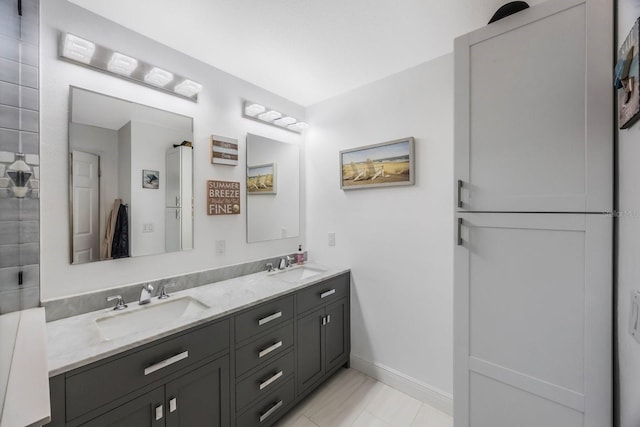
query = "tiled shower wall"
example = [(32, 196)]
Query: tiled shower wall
[(19, 133)]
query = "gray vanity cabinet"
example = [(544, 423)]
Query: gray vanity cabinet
[(139, 412), (323, 334)]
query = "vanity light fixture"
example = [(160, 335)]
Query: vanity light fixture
[(270, 116), (263, 114), (158, 77), (77, 48), (83, 52), (122, 64)]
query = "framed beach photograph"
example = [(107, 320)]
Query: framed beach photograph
[(627, 79), (150, 179), (261, 179), (380, 165)]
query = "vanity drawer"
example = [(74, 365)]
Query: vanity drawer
[(263, 318), (327, 291), (262, 382), (264, 348), (269, 409), (93, 386)]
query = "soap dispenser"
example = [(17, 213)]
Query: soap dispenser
[(300, 256)]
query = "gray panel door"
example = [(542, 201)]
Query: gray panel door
[(200, 398), (532, 320), (140, 412), (310, 341)]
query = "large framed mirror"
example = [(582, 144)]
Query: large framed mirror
[(130, 178), (273, 189)]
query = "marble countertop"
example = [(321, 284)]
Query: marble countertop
[(76, 341), (24, 383)]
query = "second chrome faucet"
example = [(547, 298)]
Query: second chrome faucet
[(145, 294)]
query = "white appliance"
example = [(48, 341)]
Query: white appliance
[(179, 199), (534, 180)]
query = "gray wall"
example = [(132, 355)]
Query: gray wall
[(19, 133)]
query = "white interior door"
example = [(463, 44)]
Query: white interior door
[(533, 111), (86, 207), (532, 320)]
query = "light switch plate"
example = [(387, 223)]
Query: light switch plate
[(332, 238)]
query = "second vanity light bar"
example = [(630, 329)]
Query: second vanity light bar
[(270, 116), (87, 53)]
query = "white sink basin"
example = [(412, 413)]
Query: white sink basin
[(157, 313), (296, 274)]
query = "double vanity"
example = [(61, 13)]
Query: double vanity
[(240, 352)]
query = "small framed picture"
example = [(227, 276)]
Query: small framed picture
[(379, 165), (150, 179), (627, 79), (224, 151), (261, 179)]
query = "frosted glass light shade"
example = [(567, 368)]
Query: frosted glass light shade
[(284, 121), (270, 116), (188, 88), (158, 77), (78, 49), (299, 127), (122, 64), (253, 110)]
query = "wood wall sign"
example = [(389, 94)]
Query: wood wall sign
[(224, 150), (223, 197)]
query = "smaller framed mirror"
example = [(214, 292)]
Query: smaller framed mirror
[(273, 189)]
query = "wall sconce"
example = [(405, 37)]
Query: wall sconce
[(19, 174), (254, 111), (88, 54)]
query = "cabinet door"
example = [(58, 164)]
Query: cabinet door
[(144, 411), (532, 320), (309, 346), (336, 347), (533, 120), (200, 398)]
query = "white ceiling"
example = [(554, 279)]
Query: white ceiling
[(304, 50)]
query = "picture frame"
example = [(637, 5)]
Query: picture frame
[(223, 150), (262, 179), (386, 164), (150, 179), (627, 79)]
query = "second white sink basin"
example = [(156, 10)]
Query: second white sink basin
[(128, 321), (295, 274)]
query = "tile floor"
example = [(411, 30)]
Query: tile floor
[(353, 399)]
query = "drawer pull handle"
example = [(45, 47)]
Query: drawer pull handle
[(267, 383), (273, 409), (159, 413), (328, 293), (173, 404), (170, 361), (270, 349), (269, 318)]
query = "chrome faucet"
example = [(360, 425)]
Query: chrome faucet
[(269, 267), (162, 291), (285, 262), (145, 295), (120, 305)]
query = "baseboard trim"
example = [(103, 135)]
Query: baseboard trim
[(406, 384)]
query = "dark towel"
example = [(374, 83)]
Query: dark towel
[(120, 244)]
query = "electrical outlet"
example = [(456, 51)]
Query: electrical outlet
[(147, 228), (221, 247), (332, 238), (634, 316)]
